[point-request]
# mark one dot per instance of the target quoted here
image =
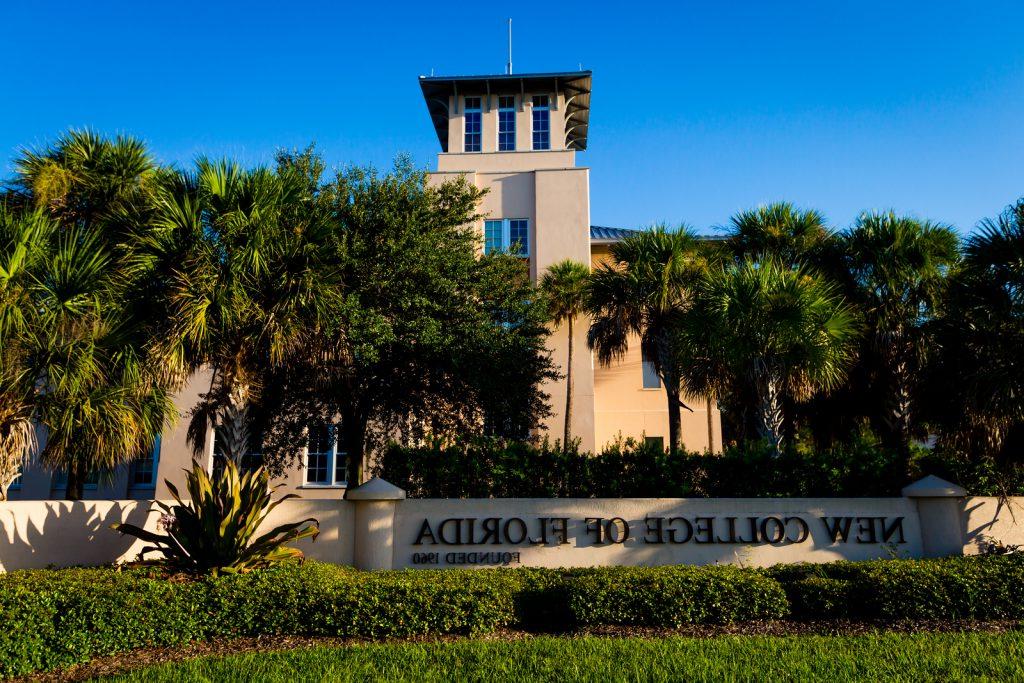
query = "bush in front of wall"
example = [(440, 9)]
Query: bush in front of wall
[(55, 618)]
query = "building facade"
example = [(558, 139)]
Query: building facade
[(517, 136)]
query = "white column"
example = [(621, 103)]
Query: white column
[(940, 511), (374, 530)]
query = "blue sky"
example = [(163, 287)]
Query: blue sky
[(699, 109)]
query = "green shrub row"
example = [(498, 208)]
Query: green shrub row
[(494, 468), (954, 588), (54, 618)]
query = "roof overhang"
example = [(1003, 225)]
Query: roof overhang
[(574, 84)]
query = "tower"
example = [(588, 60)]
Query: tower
[(517, 136)]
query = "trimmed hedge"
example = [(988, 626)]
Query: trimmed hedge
[(54, 618), (954, 588), (494, 468)]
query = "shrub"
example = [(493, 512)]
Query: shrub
[(486, 468), (953, 588), (673, 596), (59, 617)]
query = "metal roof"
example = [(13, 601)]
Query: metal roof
[(575, 85), (600, 233)]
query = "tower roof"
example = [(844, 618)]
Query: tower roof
[(575, 85)]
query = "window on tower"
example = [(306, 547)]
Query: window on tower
[(506, 123), (541, 122), (507, 234), (473, 125)]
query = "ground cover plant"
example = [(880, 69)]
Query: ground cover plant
[(57, 618), (888, 656)]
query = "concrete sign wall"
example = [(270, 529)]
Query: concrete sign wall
[(655, 531), (375, 527)]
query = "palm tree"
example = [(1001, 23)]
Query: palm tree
[(899, 267), (644, 290), (774, 328), (100, 394), (564, 286), (976, 380), (249, 277), (24, 245), (783, 232)]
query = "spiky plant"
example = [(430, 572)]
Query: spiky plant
[(215, 531)]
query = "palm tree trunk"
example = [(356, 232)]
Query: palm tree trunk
[(768, 381), (566, 439), (675, 420), (76, 481)]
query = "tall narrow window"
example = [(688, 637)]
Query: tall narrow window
[(325, 463), (492, 236), (511, 234), (144, 470), (650, 374), (541, 122), (507, 123), (473, 125), (519, 237)]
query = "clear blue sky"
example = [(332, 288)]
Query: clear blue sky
[(699, 109)]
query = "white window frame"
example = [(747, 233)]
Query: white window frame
[(534, 108), (477, 109), (501, 110), (332, 464), (506, 236)]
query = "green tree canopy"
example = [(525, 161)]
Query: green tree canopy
[(766, 325), (643, 291)]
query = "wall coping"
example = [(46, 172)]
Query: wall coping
[(375, 489), (933, 487)]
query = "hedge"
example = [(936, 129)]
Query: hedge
[(54, 618), (954, 588), (493, 468)]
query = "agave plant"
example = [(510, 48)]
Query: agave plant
[(215, 531)]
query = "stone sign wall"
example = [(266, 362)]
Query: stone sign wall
[(375, 527)]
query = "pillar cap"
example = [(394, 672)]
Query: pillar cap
[(375, 489), (933, 487)]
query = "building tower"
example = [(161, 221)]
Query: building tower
[(517, 136)]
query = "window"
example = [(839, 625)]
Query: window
[(507, 123), (143, 471), (473, 126), (519, 237), (650, 374), (492, 236), (512, 234), (325, 463), (657, 442), (541, 122), (59, 483), (250, 460)]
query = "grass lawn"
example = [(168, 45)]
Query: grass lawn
[(884, 656)]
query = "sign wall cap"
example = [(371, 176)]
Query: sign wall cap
[(933, 487), (375, 489)]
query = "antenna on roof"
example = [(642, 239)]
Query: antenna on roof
[(509, 68)]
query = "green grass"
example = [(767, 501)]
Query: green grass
[(895, 657)]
